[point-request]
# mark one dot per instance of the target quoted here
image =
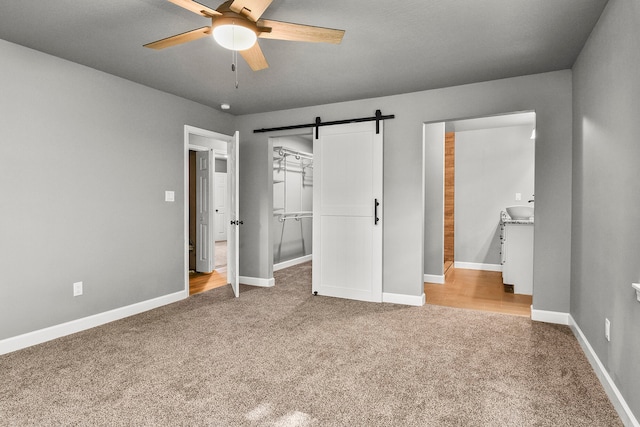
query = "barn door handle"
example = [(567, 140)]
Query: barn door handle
[(376, 203)]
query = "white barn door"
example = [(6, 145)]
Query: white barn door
[(347, 212)]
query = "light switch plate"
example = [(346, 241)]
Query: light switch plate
[(169, 196)]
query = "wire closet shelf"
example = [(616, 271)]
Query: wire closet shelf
[(288, 159)]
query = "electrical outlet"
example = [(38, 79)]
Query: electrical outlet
[(607, 329), (518, 196), (77, 289)]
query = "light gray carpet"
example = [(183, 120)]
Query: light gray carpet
[(281, 357)]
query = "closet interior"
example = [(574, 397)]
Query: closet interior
[(292, 199)]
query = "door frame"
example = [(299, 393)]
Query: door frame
[(426, 141), (192, 130)]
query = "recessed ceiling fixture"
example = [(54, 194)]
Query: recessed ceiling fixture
[(236, 25), (225, 106)]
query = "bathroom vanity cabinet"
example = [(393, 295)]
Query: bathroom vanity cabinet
[(517, 255)]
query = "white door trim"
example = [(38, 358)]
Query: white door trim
[(191, 130)]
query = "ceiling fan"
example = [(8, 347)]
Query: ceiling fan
[(236, 25)]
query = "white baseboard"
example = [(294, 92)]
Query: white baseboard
[(404, 299), (257, 281), (627, 417), (47, 334), (556, 317), (477, 266), (433, 278), (292, 262)]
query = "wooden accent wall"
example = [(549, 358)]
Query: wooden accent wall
[(449, 192)]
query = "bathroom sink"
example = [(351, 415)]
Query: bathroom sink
[(520, 212)]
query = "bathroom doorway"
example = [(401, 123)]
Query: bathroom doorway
[(474, 169)]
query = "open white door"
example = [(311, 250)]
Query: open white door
[(221, 206), (204, 216), (347, 212), (233, 205)]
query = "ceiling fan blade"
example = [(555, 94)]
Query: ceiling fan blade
[(253, 9), (299, 32), (196, 34), (255, 58), (196, 7)]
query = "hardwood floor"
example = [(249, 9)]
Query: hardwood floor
[(447, 266), (477, 290), (200, 282), (473, 289)]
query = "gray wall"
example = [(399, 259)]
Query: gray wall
[(491, 166), (606, 194), (85, 158), (292, 238), (433, 198), (549, 95)]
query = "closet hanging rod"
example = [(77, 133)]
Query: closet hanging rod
[(319, 123), (283, 151), (292, 213), (295, 215)]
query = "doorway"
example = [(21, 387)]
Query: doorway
[(292, 173), (474, 169), (211, 166), (201, 280)]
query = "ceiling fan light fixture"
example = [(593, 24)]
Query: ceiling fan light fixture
[(235, 35)]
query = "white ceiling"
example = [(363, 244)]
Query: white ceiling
[(389, 47)]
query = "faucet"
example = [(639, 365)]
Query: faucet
[(532, 200)]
